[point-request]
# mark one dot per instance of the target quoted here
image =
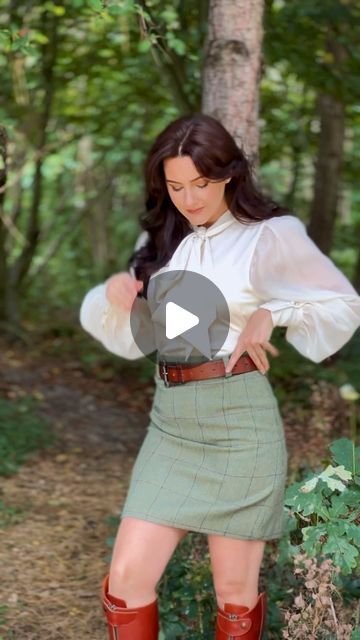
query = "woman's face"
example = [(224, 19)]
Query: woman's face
[(189, 191)]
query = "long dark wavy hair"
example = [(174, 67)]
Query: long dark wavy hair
[(216, 155)]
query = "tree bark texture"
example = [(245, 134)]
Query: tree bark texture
[(3, 261), (327, 172), (330, 154), (232, 69)]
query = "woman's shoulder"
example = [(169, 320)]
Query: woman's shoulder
[(285, 225), (286, 221)]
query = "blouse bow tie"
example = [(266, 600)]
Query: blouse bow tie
[(192, 254), (194, 251)]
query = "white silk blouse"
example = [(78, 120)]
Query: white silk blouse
[(271, 264)]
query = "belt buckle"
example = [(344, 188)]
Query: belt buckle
[(165, 373), (164, 368)]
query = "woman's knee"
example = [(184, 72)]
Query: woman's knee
[(141, 552), (235, 564)]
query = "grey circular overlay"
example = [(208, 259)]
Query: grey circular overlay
[(185, 318)]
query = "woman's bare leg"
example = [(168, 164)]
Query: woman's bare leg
[(235, 567), (140, 555)]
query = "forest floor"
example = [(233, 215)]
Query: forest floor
[(53, 550)]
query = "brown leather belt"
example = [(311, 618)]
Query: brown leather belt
[(178, 373)]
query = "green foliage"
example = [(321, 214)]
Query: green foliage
[(326, 508), (186, 593), (121, 71), (22, 431)]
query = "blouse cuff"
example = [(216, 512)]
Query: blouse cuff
[(284, 312), (96, 303)]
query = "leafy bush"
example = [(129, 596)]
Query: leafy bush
[(326, 508)]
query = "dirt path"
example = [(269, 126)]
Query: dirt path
[(54, 556)]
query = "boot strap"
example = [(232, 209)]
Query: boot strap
[(233, 627), (117, 615)]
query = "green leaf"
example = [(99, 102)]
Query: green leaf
[(177, 44), (342, 553), (306, 503), (338, 507), (311, 539), (4, 37), (144, 46), (115, 10), (58, 11), (351, 530), (96, 5), (344, 452), (351, 496)]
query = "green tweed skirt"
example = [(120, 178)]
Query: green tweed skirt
[(213, 460)]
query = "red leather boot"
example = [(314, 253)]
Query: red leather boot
[(138, 623), (236, 621)]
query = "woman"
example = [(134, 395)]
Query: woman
[(214, 458)]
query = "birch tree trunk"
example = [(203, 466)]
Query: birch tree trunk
[(232, 69)]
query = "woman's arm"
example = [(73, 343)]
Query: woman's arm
[(303, 289), (108, 322)]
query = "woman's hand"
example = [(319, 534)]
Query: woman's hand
[(122, 289), (255, 340)]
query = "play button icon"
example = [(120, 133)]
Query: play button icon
[(178, 320), (181, 316)]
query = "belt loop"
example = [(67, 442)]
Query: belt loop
[(225, 360)]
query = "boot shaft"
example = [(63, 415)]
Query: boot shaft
[(236, 622), (124, 623)]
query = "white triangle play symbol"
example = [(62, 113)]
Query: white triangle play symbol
[(178, 320)]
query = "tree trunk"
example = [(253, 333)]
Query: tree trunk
[(98, 207), (327, 173), (3, 261), (328, 164), (232, 69), (19, 269)]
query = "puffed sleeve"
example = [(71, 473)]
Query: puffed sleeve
[(303, 289), (107, 322)]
